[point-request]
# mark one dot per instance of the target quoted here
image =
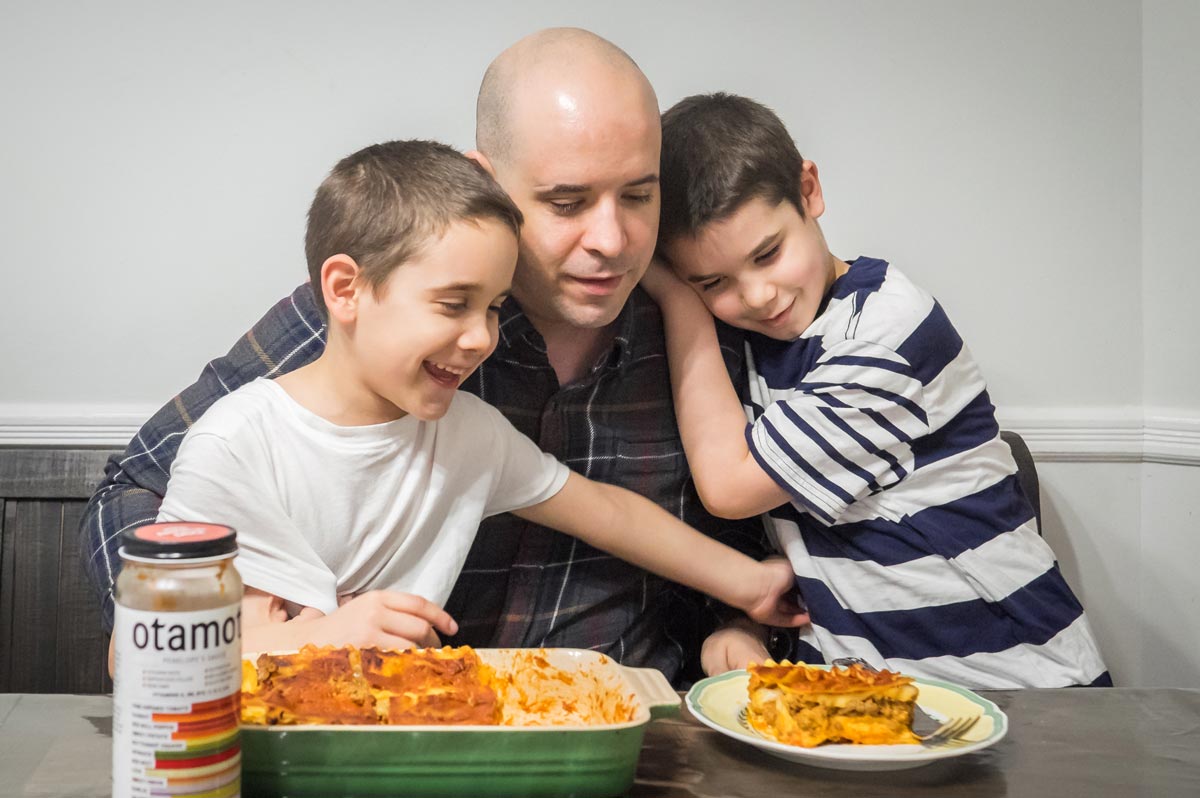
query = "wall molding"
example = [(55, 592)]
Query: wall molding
[(1083, 434), (64, 425), (1107, 435)]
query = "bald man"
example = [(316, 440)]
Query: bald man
[(569, 126)]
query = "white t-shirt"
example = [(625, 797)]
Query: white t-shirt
[(324, 511)]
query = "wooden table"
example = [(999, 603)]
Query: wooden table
[(1092, 743)]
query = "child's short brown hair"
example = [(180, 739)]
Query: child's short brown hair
[(720, 151), (380, 205)]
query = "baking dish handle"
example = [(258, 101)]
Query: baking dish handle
[(653, 690)]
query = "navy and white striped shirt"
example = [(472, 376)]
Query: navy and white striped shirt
[(912, 542)]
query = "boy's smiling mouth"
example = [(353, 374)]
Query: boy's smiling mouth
[(779, 318), (444, 375)]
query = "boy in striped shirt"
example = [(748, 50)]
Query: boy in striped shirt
[(873, 445)]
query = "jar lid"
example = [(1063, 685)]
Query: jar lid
[(178, 540)]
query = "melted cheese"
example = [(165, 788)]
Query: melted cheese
[(447, 686), (804, 706)]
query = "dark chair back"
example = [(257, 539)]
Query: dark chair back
[(1026, 472), (51, 638)]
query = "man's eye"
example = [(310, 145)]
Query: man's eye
[(639, 198), (766, 256), (565, 207)]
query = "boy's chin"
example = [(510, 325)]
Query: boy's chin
[(430, 413), (779, 335)]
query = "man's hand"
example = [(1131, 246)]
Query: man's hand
[(777, 604), (733, 646)]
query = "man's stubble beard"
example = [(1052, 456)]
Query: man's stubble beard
[(550, 309), (560, 313)]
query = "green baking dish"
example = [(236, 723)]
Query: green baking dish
[(484, 761)]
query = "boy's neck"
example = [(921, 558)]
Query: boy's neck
[(330, 387), (838, 268)]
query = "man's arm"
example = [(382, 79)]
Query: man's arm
[(290, 335)]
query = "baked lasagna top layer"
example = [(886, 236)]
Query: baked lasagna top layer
[(325, 686), (806, 706), (446, 686), (431, 686)]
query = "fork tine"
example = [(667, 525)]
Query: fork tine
[(957, 728), (938, 734), (966, 725), (950, 731)]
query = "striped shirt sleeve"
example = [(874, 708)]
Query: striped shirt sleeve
[(845, 431)]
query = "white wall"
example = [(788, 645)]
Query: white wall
[(1032, 163), (164, 156), (1167, 634), (1090, 517), (1170, 202)]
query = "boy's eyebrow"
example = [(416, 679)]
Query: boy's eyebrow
[(468, 287), (767, 242), (460, 286), (763, 245)]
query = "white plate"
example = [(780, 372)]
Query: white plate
[(719, 700)]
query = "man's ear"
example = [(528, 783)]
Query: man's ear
[(481, 159), (341, 287), (810, 190)]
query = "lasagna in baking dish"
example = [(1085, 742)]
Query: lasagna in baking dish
[(431, 687), (420, 687), (806, 706)]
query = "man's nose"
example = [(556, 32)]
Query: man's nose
[(605, 232)]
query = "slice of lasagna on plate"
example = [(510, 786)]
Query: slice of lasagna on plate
[(807, 706)]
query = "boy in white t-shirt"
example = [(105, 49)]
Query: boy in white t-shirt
[(356, 483)]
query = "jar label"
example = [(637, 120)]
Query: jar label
[(176, 687)]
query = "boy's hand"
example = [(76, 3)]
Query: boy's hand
[(383, 618), (777, 604), (661, 283), (732, 647)]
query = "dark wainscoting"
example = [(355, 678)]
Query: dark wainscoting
[(51, 638)]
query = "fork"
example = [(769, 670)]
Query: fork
[(948, 732)]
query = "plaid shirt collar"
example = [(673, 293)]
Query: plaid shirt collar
[(518, 332)]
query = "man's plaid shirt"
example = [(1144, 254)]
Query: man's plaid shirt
[(523, 585)]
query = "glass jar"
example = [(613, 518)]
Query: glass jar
[(177, 669)]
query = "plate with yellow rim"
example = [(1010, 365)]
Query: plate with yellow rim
[(719, 702)]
